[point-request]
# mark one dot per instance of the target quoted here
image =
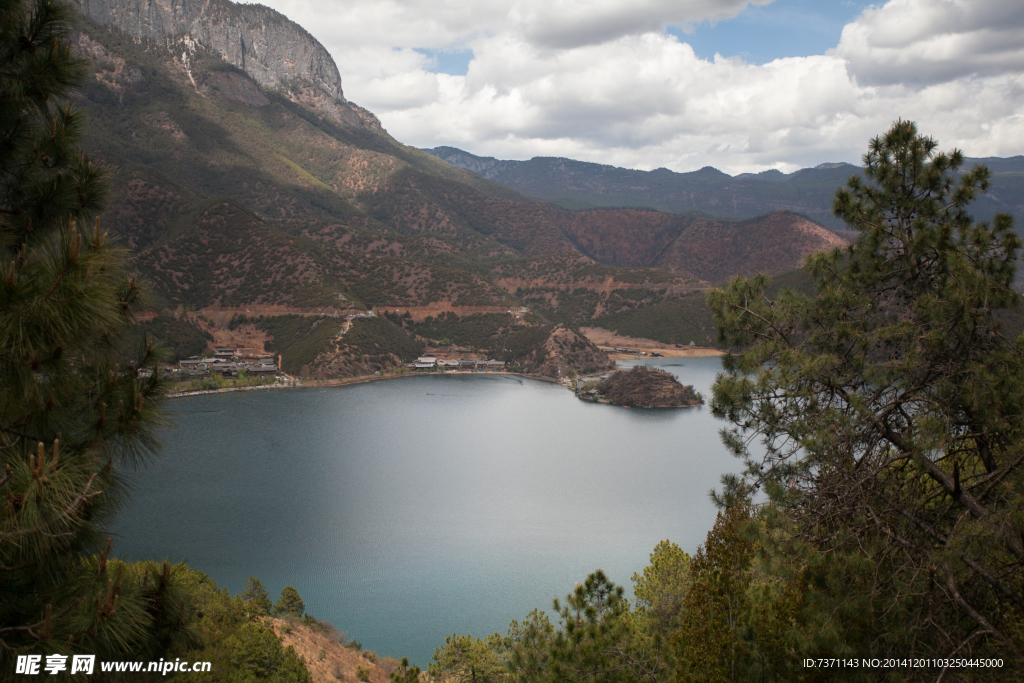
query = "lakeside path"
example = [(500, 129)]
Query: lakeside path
[(313, 383)]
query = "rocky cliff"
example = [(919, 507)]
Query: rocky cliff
[(269, 47)]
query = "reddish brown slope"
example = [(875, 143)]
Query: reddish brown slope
[(228, 256), (710, 249), (691, 246), (718, 250), (624, 237)]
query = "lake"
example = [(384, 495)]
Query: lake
[(409, 509)]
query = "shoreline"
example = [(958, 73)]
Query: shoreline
[(313, 383)]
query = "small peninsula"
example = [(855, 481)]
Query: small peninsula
[(642, 386)]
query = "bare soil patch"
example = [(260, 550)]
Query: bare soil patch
[(608, 340)]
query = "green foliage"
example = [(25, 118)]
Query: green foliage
[(890, 405), (675, 321), (222, 253), (405, 673), (596, 640), (660, 589), (710, 644), (376, 338), (299, 339), (890, 400), (255, 655), (239, 319), (523, 343), (686, 318), (477, 330), (374, 343), (567, 267), (75, 413), (289, 604), (594, 624), (363, 673), (569, 306), (178, 337), (227, 634), (464, 659), (497, 333), (255, 596), (526, 647)]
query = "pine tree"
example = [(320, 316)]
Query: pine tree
[(891, 406), (709, 637), (464, 659), (597, 641), (255, 596), (289, 604), (76, 409), (660, 589), (405, 673)]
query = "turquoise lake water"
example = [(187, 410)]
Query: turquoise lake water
[(407, 510)]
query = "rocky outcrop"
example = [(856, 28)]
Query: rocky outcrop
[(646, 387), (268, 46), (563, 354)]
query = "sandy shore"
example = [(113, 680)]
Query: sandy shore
[(607, 340)]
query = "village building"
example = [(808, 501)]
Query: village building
[(262, 369), (196, 366)]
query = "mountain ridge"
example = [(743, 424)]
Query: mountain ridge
[(808, 191)]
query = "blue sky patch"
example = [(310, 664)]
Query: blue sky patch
[(454, 62), (785, 28)]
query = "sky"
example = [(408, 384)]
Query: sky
[(741, 85)]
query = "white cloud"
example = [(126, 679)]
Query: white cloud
[(573, 23), (560, 78), (932, 41), (547, 23)]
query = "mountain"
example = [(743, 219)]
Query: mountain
[(243, 179), (809, 191)]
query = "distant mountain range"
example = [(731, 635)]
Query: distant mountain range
[(809, 191)]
